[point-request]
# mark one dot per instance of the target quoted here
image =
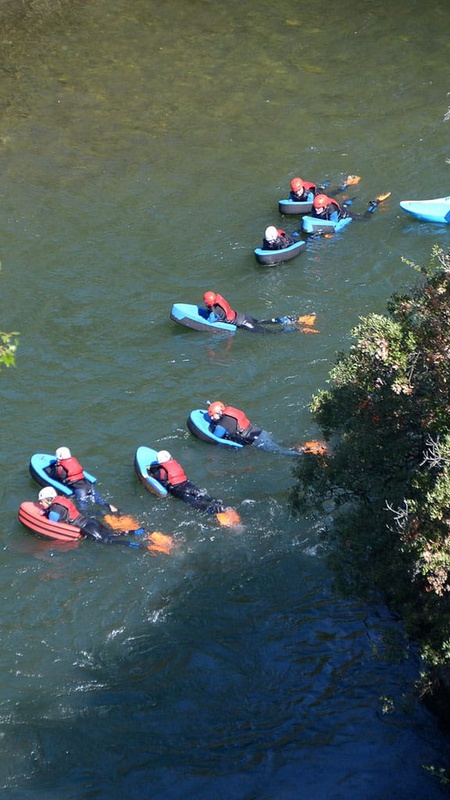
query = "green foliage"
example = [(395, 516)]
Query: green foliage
[(439, 773), (8, 346), (386, 415)]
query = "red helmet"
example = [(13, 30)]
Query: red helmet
[(216, 408), (296, 184), (321, 201), (209, 298)]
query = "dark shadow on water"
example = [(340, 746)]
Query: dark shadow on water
[(271, 687)]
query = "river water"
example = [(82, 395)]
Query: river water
[(143, 150)]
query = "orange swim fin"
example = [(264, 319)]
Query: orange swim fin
[(228, 518), (317, 447), (382, 197), (307, 319), (352, 180), (159, 543), (122, 522)]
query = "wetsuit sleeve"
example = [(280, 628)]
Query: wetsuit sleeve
[(61, 473), (332, 213), (57, 513), (230, 425), (286, 240), (160, 474), (219, 312), (52, 471)]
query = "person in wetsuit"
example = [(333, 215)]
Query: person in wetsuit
[(172, 476), (304, 191), (237, 426), (328, 208), (68, 470), (276, 239), (231, 423), (59, 508), (219, 310)]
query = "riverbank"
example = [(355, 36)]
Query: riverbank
[(387, 476)]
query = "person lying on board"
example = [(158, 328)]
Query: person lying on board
[(276, 239), (231, 423), (305, 191), (325, 207), (172, 476), (69, 471), (59, 508), (328, 208), (219, 310)]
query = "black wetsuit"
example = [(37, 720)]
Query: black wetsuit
[(83, 489), (283, 240), (236, 434), (89, 526), (241, 320), (188, 492), (333, 211)]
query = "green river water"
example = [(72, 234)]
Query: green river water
[(143, 150)]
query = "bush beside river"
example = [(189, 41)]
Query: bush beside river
[(385, 480)]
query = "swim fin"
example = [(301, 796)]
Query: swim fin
[(228, 518), (159, 543), (352, 180), (307, 319)]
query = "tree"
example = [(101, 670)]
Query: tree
[(386, 417)]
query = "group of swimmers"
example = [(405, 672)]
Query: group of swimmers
[(67, 470), (234, 423), (324, 207)]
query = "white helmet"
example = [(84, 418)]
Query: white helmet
[(271, 234), (163, 456), (47, 493), (62, 452)]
